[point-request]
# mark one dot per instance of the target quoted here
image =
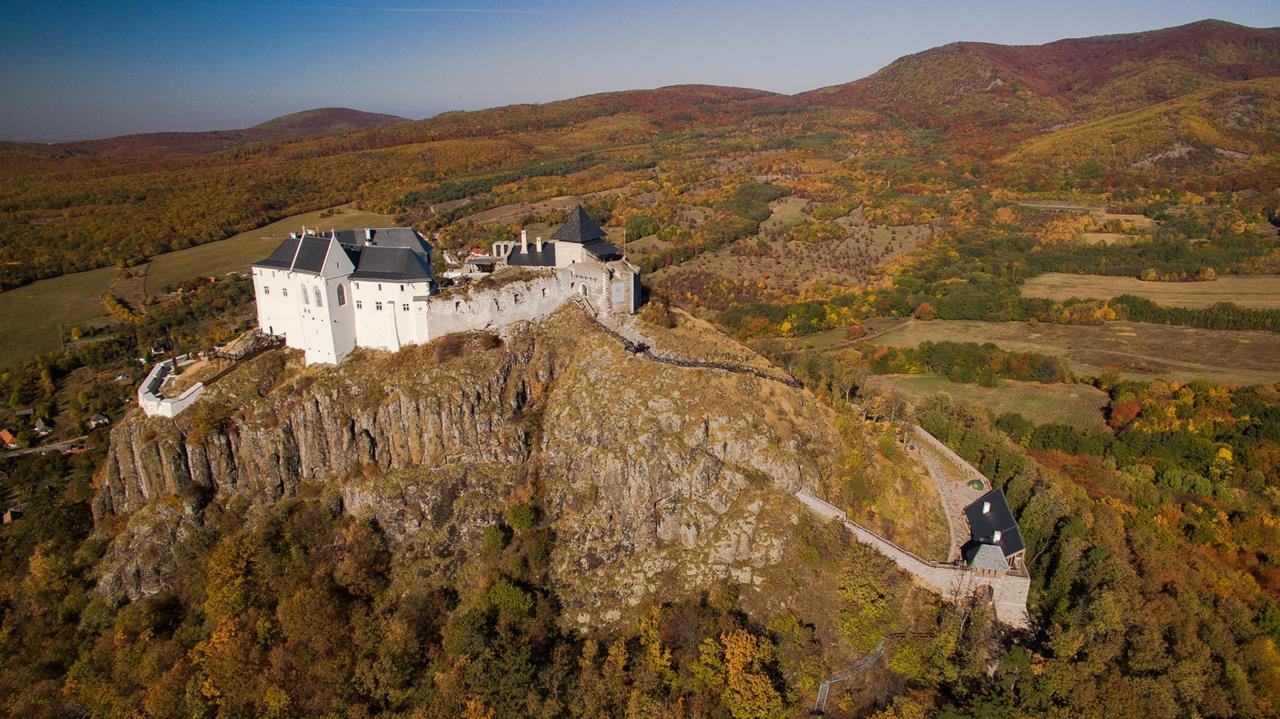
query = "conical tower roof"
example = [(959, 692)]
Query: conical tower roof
[(578, 228)]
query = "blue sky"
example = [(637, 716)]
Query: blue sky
[(79, 68)]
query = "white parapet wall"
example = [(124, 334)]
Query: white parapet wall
[(155, 404)]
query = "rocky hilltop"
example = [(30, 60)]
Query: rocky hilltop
[(654, 477)]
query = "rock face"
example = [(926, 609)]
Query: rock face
[(652, 477)]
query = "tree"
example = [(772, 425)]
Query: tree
[(749, 693)]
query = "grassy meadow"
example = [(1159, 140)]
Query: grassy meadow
[(236, 252), (1074, 404), (30, 316), (1252, 291)]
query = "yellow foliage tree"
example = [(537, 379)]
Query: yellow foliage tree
[(748, 694)]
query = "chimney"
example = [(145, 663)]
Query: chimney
[(539, 244), (368, 233), (995, 536), (524, 241), (986, 507)]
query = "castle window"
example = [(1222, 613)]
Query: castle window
[(404, 307), (359, 305), (305, 301), (379, 286), (284, 291), (342, 295), (319, 297), (402, 288), (266, 290), (377, 306)]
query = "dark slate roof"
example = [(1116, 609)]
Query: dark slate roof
[(392, 263), (578, 228), (311, 254), (382, 237), (282, 258), (982, 526), (534, 258), (602, 250), (387, 253)]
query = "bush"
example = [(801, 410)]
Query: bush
[(522, 517)]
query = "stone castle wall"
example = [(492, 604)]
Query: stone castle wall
[(529, 299)]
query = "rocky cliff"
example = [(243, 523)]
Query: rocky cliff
[(653, 477)]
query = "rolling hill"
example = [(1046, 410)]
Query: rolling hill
[(1025, 88)]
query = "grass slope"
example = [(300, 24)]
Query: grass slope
[(236, 252), (30, 316), (1074, 404)]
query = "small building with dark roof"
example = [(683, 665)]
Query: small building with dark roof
[(579, 239), (992, 526)]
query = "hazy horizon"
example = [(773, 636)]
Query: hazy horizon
[(86, 70)]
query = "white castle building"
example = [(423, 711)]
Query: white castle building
[(327, 294)]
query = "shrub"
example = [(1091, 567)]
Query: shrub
[(521, 517)]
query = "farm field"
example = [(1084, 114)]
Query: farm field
[(236, 252), (30, 316), (1074, 404), (1137, 350), (1255, 291)]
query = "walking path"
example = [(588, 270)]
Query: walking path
[(949, 581), (955, 492)]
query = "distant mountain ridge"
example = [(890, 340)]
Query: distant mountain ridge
[(294, 126), (959, 86), (1035, 117)]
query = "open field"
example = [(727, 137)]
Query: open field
[(1075, 404), (30, 315), (236, 252), (1256, 291), (787, 212), (1137, 350)]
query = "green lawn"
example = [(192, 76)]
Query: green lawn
[(1075, 404), (235, 253), (30, 315)]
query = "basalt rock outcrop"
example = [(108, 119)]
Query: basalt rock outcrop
[(653, 477)]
